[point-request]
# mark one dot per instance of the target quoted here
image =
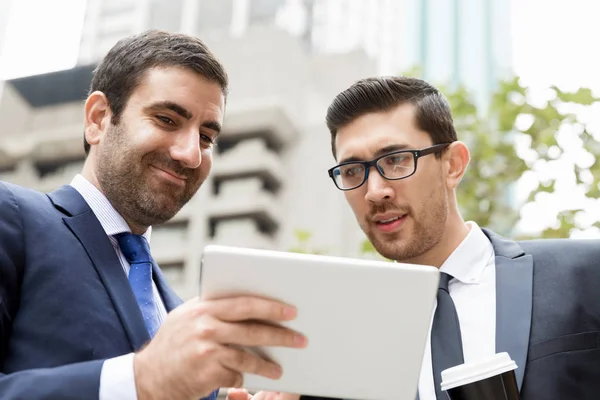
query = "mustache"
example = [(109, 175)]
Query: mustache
[(167, 163), (382, 208)]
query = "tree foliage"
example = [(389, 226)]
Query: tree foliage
[(516, 136)]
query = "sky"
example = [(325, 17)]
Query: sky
[(556, 42), (553, 42), (31, 38)]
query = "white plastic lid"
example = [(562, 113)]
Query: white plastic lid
[(476, 371)]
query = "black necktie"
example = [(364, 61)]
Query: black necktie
[(446, 341)]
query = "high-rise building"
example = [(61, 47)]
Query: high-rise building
[(108, 20), (452, 41)]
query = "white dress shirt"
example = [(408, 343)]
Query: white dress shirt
[(473, 291), (116, 379)]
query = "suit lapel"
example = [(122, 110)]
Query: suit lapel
[(85, 226), (514, 291)]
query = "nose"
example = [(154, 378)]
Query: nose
[(378, 188), (186, 149)]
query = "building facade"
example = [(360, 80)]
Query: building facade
[(452, 41)]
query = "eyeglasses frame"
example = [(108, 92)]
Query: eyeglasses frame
[(373, 163)]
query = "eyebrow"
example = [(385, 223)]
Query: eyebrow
[(182, 111), (384, 150), (212, 125), (169, 105)]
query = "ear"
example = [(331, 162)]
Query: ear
[(97, 117), (457, 158)]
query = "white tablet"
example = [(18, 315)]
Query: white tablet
[(366, 321)]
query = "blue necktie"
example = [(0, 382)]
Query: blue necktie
[(136, 250)]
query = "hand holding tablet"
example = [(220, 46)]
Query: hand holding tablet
[(366, 321)]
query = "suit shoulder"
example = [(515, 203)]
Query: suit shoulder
[(563, 251), (561, 245), (10, 192), (16, 190), (8, 198)]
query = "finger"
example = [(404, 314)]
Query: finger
[(247, 308), (252, 334), (247, 333), (265, 396), (288, 396), (238, 394), (260, 396), (244, 362), (233, 379)]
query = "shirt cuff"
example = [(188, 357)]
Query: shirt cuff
[(117, 381)]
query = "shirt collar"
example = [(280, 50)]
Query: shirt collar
[(112, 222), (469, 260)]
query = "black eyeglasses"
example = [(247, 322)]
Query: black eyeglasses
[(392, 166)]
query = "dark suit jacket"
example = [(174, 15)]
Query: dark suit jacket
[(548, 315), (65, 303)]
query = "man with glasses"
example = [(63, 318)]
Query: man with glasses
[(399, 165)]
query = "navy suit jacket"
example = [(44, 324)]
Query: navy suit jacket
[(65, 303), (548, 315)]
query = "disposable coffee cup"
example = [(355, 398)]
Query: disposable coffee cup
[(487, 379)]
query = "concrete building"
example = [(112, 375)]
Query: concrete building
[(269, 174), (108, 20), (454, 41)]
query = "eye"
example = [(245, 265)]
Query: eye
[(206, 139), (352, 170), (397, 159), (165, 120)]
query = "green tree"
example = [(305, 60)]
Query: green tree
[(516, 135), (304, 243)]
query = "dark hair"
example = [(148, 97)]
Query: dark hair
[(381, 94), (124, 66)]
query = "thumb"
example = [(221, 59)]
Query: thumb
[(238, 394)]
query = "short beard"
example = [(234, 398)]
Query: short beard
[(427, 230), (123, 181)]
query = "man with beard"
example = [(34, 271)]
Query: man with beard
[(399, 164), (84, 310)]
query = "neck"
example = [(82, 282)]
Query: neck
[(455, 232), (89, 173)]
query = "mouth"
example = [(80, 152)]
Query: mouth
[(389, 223), (169, 176)]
